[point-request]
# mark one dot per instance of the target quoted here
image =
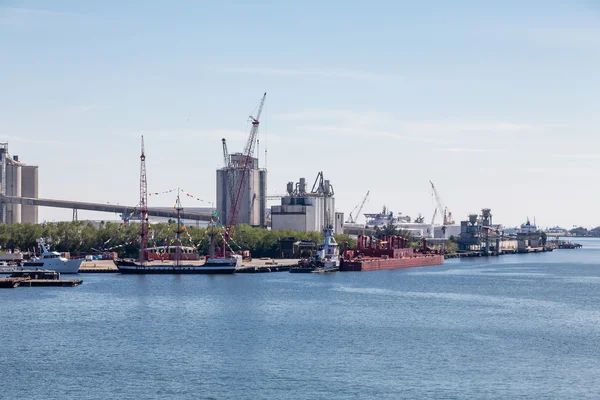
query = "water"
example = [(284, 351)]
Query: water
[(519, 326)]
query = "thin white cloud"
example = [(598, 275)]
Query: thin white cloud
[(366, 133), (578, 156), (466, 127), (32, 12), (348, 119), (466, 150), (322, 72), (231, 135), (8, 138), (84, 108)]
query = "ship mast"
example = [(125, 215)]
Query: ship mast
[(178, 208), (211, 237), (143, 207)]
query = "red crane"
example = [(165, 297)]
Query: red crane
[(244, 167), (143, 206)]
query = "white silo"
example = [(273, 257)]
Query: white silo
[(29, 188), (13, 188)]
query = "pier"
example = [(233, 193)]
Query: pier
[(37, 278)]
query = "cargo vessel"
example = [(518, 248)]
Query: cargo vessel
[(388, 253)]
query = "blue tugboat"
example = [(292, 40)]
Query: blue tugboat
[(325, 259)]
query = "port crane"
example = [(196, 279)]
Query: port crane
[(244, 168), (351, 219), (440, 208)]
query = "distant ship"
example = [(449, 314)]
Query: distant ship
[(52, 260), (325, 259), (528, 227), (417, 227)]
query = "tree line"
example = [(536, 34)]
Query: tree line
[(86, 237), (581, 231)]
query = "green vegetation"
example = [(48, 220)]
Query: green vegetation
[(451, 246), (80, 236), (581, 231)]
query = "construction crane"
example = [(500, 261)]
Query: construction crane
[(143, 206), (244, 168), (440, 208), (351, 219), (230, 173), (226, 163)]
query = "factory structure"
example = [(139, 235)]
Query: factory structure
[(307, 211), (17, 179), (242, 181), (480, 234)]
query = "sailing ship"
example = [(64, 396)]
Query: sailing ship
[(325, 259), (215, 263)]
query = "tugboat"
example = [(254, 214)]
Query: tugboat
[(325, 259)]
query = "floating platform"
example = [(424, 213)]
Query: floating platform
[(98, 270), (37, 278)]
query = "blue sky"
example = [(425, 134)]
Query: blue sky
[(496, 102)]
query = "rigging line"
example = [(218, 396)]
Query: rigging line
[(266, 131)]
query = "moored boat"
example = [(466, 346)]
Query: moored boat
[(53, 261), (325, 259), (391, 252), (214, 264)]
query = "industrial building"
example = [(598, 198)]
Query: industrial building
[(305, 211), (478, 233), (446, 231), (252, 201), (21, 180)]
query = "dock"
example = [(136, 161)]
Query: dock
[(37, 278), (98, 267), (257, 266)]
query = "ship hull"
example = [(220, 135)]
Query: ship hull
[(319, 267), (54, 264), (132, 267), (374, 264)]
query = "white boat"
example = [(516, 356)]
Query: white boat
[(53, 261)]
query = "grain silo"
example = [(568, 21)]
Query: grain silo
[(29, 188), (12, 187)]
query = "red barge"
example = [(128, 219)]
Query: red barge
[(388, 253)]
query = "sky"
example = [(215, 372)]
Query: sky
[(496, 102)]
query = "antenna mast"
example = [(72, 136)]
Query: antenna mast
[(143, 206)]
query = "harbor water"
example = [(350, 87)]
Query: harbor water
[(517, 326)]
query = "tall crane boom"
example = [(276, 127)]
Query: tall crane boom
[(352, 219), (243, 167), (441, 208), (225, 153), (249, 148)]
